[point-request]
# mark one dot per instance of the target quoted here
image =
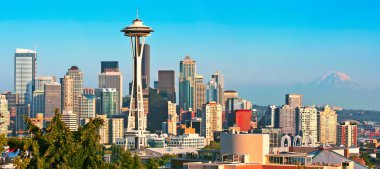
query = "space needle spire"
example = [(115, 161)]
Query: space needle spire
[(137, 33)]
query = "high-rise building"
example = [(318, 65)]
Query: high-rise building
[(327, 121), (113, 79), (88, 91), (230, 94), (25, 73), (104, 130), (22, 111), (308, 124), (172, 118), (145, 67), (52, 99), (219, 80), (233, 104), (270, 116), (187, 72), (109, 66), (211, 120), (41, 80), (13, 100), (87, 106), (5, 119), (67, 93), (166, 84), (293, 100), (109, 101), (70, 119), (347, 134), (116, 129), (212, 91), (77, 75), (38, 105), (137, 33), (200, 94), (287, 119)]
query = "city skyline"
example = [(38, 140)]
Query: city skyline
[(345, 42)]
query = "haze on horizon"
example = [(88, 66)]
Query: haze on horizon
[(264, 49)]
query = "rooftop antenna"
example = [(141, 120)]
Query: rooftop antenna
[(137, 13)]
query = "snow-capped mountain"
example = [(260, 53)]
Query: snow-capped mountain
[(335, 79)]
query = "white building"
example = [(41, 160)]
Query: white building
[(70, 119), (186, 140), (308, 124), (4, 115)]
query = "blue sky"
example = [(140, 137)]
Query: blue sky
[(269, 43)]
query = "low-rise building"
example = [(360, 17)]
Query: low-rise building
[(186, 140)]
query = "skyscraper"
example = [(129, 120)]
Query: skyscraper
[(212, 91), (22, 111), (52, 99), (77, 75), (137, 33), (109, 102), (211, 120), (41, 80), (25, 74), (347, 134), (308, 124), (145, 69), (187, 72), (328, 120), (5, 119), (287, 119), (230, 94), (86, 106), (219, 80), (67, 93), (109, 66), (38, 105), (200, 93), (293, 100), (113, 78), (166, 84)]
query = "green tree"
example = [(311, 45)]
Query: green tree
[(152, 164), (212, 146)]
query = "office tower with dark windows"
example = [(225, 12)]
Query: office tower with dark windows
[(218, 78), (52, 99), (25, 73), (145, 67), (22, 111), (166, 84), (187, 72), (38, 105), (109, 66), (293, 100), (109, 102), (77, 75)]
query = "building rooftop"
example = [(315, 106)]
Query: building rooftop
[(19, 50)]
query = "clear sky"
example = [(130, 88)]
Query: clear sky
[(253, 43)]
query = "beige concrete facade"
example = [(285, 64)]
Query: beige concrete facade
[(327, 126), (254, 147)]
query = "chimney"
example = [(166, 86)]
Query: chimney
[(347, 152)]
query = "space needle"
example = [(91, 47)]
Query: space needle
[(137, 33)]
